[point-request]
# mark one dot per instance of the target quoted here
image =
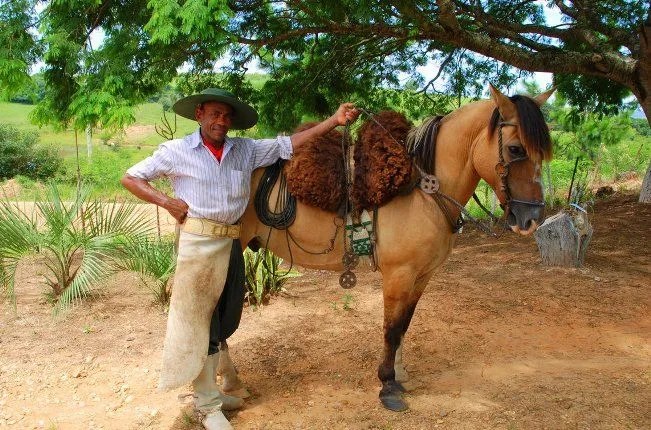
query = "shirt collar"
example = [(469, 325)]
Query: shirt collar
[(195, 140)]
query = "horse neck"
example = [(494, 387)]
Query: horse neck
[(458, 136)]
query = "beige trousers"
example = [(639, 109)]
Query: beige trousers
[(201, 268)]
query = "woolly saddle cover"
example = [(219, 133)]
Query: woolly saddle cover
[(316, 175)]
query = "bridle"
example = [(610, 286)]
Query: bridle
[(502, 168)]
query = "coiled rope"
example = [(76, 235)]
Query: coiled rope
[(284, 211)]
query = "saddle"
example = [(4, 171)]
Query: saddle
[(382, 167)]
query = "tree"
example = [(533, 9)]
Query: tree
[(323, 51)]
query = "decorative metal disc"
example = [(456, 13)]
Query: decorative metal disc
[(350, 260), (429, 184), (347, 280)]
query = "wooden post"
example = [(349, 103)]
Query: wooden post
[(563, 239)]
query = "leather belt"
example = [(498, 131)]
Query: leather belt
[(210, 228)]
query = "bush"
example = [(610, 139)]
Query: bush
[(155, 261), (264, 276), (20, 154), (79, 243)]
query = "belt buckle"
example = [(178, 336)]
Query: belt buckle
[(218, 230)]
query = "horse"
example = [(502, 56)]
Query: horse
[(502, 141)]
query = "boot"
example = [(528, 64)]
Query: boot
[(216, 421), (231, 383), (208, 397)]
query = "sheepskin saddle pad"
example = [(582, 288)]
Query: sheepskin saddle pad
[(382, 164), (316, 175)]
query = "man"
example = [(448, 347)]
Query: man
[(211, 176)]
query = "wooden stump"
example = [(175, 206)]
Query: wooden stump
[(645, 192), (563, 239)]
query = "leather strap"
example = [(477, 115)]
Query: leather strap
[(206, 227)]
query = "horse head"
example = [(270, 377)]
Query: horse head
[(511, 156)]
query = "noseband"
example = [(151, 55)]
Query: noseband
[(502, 168)]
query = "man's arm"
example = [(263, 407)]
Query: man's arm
[(345, 114), (144, 191)]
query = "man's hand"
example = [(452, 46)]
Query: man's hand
[(346, 114), (177, 208), (144, 191)]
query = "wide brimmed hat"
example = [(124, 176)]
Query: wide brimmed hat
[(244, 116)]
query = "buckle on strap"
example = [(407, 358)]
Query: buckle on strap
[(210, 228)]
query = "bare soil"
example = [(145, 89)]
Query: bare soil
[(497, 341)]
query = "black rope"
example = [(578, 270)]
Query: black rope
[(284, 213)]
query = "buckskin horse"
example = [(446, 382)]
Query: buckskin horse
[(414, 236)]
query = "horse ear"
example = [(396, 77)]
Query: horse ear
[(540, 99), (504, 105)]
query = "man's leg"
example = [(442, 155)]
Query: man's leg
[(225, 321), (231, 383), (202, 264)]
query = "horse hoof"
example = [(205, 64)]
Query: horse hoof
[(393, 402)]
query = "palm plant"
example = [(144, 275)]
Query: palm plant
[(81, 242), (152, 259), (263, 274)]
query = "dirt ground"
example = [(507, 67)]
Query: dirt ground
[(497, 341)]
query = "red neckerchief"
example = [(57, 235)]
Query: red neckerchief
[(217, 152)]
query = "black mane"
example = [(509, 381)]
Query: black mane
[(533, 128)]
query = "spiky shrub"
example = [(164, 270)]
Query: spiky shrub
[(154, 261), (81, 243), (264, 277)]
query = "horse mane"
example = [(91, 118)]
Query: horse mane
[(533, 128), (421, 143), (421, 140)]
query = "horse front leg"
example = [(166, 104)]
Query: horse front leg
[(401, 374), (397, 313)]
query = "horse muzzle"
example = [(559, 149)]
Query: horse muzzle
[(524, 217)]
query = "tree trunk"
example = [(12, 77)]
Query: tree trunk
[(645, 192), (563, 239), (89, 142)]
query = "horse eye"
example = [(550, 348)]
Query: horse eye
[(516, 151)]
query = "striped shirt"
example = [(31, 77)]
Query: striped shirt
[(215, 190)]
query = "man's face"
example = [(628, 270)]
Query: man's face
[(215, 119)]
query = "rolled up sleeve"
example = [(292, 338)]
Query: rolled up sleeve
[(267, 151), (159, 164)]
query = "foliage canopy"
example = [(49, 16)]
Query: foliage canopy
[(321, 52)]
